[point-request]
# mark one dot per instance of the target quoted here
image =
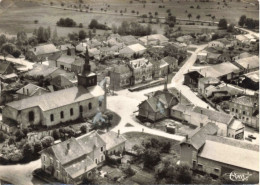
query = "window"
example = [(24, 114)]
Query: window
[(216, 170), (200, 166), (96, 161), (71, 112), (233, 109), (61, 114), (236, 111), (52, 117), (90, 106), (247, 119), (80, 108), (102, 158), (101, 149), (100, 103), (51, 160), (228, 134), (31, 116), (244, 112)]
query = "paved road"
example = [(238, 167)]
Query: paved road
[(19, 174)]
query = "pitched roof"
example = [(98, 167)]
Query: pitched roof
[(235, 154), (65, 155), (236, 124), (30, 88), (67, 59), (89, 141), (254, 76), (249, 62), (219, 70), (59, 98), (214, 115), (112, 139), (165, 97), (3, 66), (141, 62), (79, 167), (41, 70), (209, 80), (44, 49), (245, 100), (170, 60), (198, 136), (213, 55), (129, 39), (63, 81), (65, 47), (154, 37), (183, 108), (122, 69)]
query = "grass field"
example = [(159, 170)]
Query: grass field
[(21, 16)]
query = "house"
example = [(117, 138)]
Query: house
[(74, 160), (130, 50), (217, 156), (8, 78), (242, 55), (180, 47), (173, 63), (67, 47), (187, 39), (202, 56), (30, 90), (250, 80), (249, 64), (142, 70), (246, 109), (225, 71), (216, 45), (205, 82), (213, 58), (163, 68), (82, 101), (158, 106), (65, 62), (41, 52), (121, 76), (155, 39), (199, 117), (129, 40), (81, 47), (63, 81), (225, 57), (6, 67)]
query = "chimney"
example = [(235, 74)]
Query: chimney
[(187, 137), (118, 133)]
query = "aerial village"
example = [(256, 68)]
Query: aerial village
[(119, 108)]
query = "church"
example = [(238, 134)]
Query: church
[(83, 101)]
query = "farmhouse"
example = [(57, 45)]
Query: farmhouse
[(41, 52), (155, 39), (82, 101), (246, 109), (249, 64), (142, 70), (67, 47), (172, 62), (250, 80), (216, 155), (30, 90), (75, 159), (6, 67), (131, 50)]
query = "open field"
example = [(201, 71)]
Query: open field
[(21, 15)]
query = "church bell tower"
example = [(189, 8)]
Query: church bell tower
[(87, 78)]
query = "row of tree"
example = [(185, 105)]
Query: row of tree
[(248, 22), (132, 28), (68, 22)]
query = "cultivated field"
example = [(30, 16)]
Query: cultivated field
[(21, 15)]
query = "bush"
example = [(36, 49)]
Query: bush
[(66, 22), (83, 129), (37, 147), (16, 53), (47, 141), (151, 158), (3, 136), (94, 24)]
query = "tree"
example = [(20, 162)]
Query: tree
[(213, 17), (56, 134), (82, 35), (242, 21), (3, 39), (198, 17), (16, 53), (171, 20), (55, 37), (184, 174), (33, 41), (151, 158), (28, 151), (22, 38), (222, 24), (37, 147), (47, 141), (189, 15), (8, 48), (231, 28), (73, 36), (83, 129)]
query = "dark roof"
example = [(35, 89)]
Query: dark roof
[(55, 56), (214, 115), (58, 98), (32, 89), (3, 66), (166, 98), (198, 136)]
